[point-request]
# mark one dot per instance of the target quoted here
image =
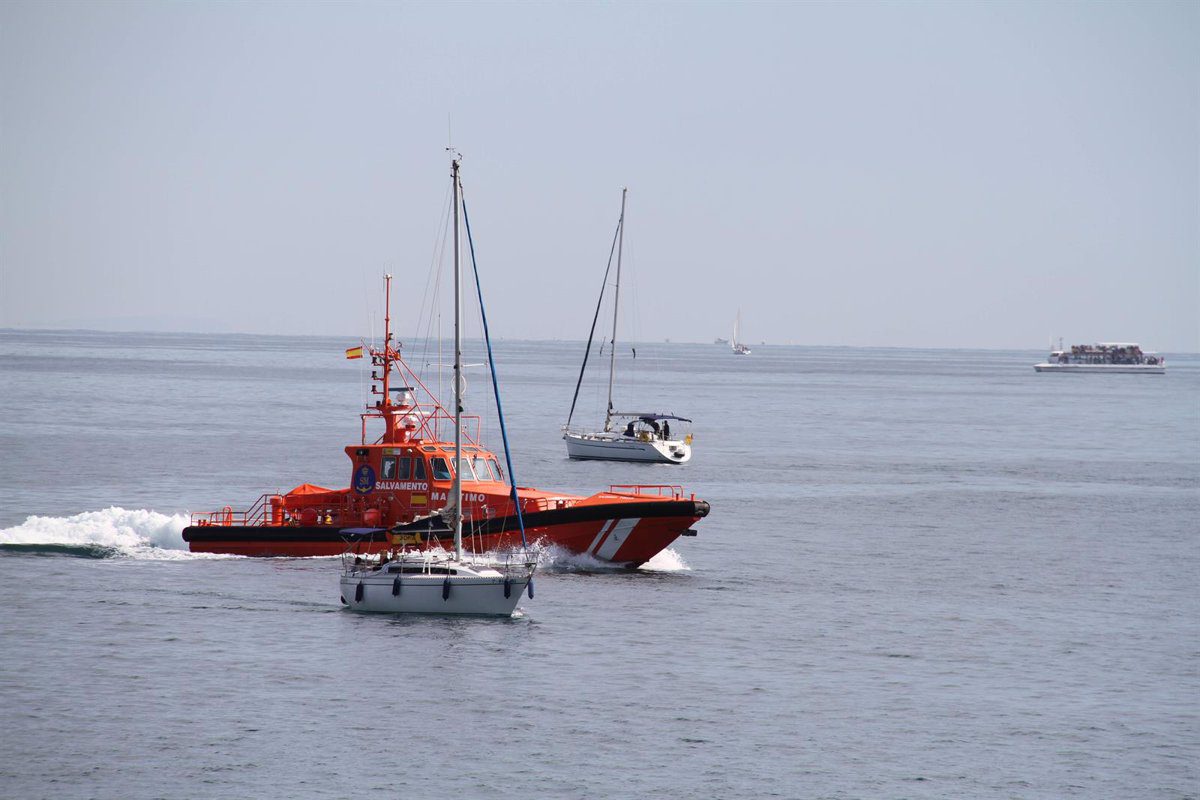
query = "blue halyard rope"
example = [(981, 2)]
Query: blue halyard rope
[(495, 383)]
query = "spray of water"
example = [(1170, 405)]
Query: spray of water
[(112, 532), (552, 558)]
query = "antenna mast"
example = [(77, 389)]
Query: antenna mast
[(387, 343)]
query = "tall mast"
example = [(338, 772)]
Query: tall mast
[(612, 355), (387, 347), (456, 497)]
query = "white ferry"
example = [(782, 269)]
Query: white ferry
[(1103, 357)]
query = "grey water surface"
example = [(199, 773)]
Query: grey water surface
[(926, 574)]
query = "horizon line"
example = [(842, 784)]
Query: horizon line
[(10, 329)]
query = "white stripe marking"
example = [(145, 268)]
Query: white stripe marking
[(613, 543), (603, 530)]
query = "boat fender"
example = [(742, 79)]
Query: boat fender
[(446, 589), (396, 586), (529, 587), (343, 599), (507, 588), (358, 592)]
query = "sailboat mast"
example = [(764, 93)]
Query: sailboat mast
[(612, 355), (456, 496)]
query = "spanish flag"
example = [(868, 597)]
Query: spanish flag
[(354, 352)]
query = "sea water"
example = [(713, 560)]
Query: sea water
[(927, 573)]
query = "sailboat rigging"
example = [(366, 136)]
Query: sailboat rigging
[(480, 584), (738, 348)]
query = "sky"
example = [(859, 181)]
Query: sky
[(909, 174)]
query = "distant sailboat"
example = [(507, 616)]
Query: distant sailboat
[(647, 435), (738, 348)]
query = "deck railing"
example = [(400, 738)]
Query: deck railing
[(270, 509), (656, 489), (428, 421), (261, 513)]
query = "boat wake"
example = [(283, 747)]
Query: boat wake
[(552, 558), (111, 533)]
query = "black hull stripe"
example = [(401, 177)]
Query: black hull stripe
[(536, 519)]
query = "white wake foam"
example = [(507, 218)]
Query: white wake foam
[(138, 533), (556, 559), (666, 561)]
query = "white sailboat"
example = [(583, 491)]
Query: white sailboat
[(738, 348), (644, 435), (435, 582), (404, 580)]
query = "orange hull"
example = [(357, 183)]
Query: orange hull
[(629, 533)]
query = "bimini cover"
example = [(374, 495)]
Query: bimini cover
[(652, 417)]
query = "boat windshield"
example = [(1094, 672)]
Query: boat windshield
[(441, 470), (481, 469), (464, 469)]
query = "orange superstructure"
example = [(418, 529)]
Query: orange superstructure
[(401, 477)]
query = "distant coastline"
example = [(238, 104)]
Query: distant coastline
[(640, 343)]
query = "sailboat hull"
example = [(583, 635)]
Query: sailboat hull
[(426, 594), (609, 447)]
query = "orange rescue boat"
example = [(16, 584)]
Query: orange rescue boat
[(402, 477)]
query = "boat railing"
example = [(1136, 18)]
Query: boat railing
[(428, 420), (530, 504), (266, 510), (576, 430), (512, 562), (655, 489), (272, 509)]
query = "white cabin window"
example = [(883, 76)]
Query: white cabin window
[(464, 469), (441, 470), (388, 469), (481, 469)]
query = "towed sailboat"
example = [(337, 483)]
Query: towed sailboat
[(401, 477), (439, 582), (645, 436)]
